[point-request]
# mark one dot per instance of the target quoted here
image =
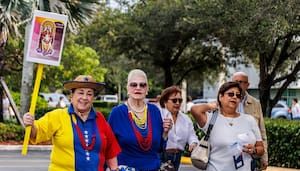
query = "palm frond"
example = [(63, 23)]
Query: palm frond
[(79, 12)]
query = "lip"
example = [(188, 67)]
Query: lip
[(233, 101)]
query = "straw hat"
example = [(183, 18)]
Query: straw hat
[(84, 81)]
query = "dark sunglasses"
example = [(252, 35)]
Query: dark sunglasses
[(176, 100), (231, 94), (133, 84), (240, 81)]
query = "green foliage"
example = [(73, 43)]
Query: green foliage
[(283, 142), (11, 131), (40, 103), (104, 107), (156, 37), (77, 60), (266, 32)]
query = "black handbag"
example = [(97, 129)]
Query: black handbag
[(167, 165)]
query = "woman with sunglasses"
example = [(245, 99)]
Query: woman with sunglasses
[(81, 137), (138, 126), (235, 137), (182, 132)]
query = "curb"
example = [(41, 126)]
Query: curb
[(185, 160), (30, 147)]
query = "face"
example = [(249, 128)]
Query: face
[(137, 88), (242, 80), (231, 98), (82, 99), (173, 103)]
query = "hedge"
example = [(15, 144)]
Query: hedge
[(11, 131), (283, 142)]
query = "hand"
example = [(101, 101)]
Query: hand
[(249, 148), (28, 119), (192, 146), (264, 164), (167, 124), (213, 105)]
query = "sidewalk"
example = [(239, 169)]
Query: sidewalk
[(184, 160), (187, 160), (30, 147)]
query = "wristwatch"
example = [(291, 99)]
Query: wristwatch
[(117, 169)]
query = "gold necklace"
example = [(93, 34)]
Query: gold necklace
[(134, 110), (140, 122)]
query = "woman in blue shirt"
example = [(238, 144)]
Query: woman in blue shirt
[(138, 127)]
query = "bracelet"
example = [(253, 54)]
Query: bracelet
[(117, 169)]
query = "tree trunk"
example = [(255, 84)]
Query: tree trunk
[(27, 78), (264, 86), (1, 90), (168, 76), (1, 105)]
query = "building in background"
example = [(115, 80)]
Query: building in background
[(210, 90)]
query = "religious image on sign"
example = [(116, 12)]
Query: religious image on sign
[(46, 38)]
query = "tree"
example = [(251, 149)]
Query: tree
[(77, 60), (268, 33), (157, 36), (79, 13)]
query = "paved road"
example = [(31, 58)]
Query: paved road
[(37, 161), (14, 161)]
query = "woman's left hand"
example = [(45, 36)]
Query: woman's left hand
[(249, 148), (167, 124)]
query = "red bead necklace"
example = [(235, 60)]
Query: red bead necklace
[(84, 145), (145, 143)]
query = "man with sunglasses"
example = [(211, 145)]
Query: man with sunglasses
[(251, 105)]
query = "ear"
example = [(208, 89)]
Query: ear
[(221, 96)]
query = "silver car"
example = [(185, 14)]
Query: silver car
[(281, 110)]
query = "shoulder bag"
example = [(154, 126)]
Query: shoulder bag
[(200, 154)]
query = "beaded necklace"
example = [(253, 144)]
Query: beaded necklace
[(84, 144), (145, 143), (140, 122), (134, 110)]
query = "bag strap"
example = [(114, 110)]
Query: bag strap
[(211, 124)]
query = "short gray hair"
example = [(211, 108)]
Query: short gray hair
[(136, 73)]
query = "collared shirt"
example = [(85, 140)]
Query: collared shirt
[(182, 131), (242, 104), (67, 152)]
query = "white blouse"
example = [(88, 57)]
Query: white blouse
[(182, 132)]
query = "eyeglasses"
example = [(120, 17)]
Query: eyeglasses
[(134, 85), (176, 100), (240, 81), (231, 94)]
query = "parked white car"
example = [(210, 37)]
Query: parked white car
[(108, 98), (55, 97), (197, 101)]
